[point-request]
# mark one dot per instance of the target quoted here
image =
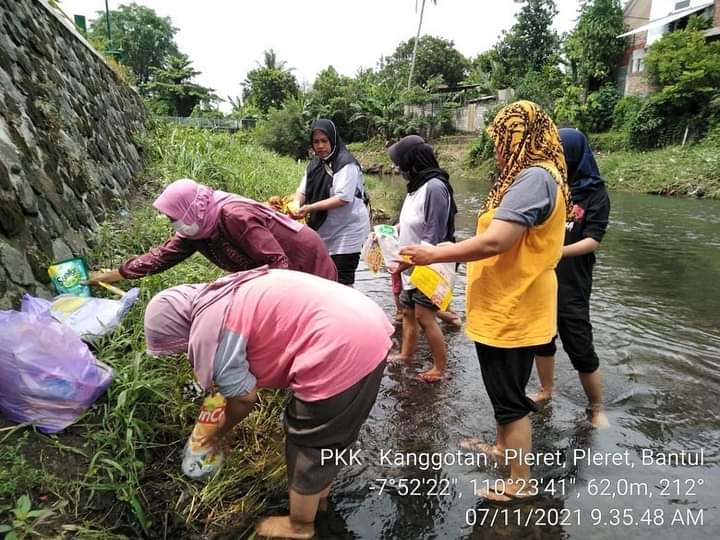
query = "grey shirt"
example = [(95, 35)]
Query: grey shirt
[(530, 199)]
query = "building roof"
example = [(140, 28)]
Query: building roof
[(667, 19)]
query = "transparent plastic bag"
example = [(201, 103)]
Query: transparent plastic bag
[(48, 376), (372, 254)]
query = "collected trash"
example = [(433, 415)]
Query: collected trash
[(372, 254), (200, 459), (70, 276), (48, 376), (436, 282), (91, 318)]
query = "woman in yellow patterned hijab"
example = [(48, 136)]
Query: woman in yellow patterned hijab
[(525, 136)]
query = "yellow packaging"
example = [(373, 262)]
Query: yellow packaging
[(211, 416), (435, 283)]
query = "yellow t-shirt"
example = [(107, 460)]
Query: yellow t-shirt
[(512, 297)]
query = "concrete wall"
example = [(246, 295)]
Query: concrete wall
[(68, 155)]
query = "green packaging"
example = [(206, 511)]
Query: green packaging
[(69, 276)]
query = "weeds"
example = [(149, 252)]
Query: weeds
[(127, 447), (24, 520)]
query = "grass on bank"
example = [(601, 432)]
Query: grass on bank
[(116, 473)]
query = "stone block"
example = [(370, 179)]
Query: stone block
[(16, 267), (12, 221)]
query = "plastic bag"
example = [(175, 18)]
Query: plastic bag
[(48, 376), (69, 277), (90, 318), (436, 282), (372, 254), (389, 242)]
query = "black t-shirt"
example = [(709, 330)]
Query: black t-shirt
[(591, 212)]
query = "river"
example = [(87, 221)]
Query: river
[(656, 315)]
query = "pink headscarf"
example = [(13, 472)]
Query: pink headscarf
[(187, 201), (190, 318)]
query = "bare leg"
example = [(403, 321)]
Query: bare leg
[(516, 435), (496, 450), (398, 307), (438, 349), (323, 504), (592, 384), (299, 524), (545, 366), (409, 338), (449, 317)]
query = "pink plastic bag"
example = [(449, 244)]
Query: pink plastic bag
[(48, 376)]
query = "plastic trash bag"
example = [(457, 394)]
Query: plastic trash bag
[(436, 282), (48, 376), (90, 318), (372, 254)]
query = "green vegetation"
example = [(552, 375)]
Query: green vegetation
[(118, 468)]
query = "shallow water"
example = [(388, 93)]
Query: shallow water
[(656, 314)]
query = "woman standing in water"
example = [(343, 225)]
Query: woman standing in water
[(511, 285), (331, 194), (427, 215), (233, 232), (584, 232)]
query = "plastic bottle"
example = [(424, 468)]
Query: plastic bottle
[(201, 461)]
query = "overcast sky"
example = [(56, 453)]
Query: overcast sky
[(226, 38)]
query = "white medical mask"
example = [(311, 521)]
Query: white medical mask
[(184, 229)]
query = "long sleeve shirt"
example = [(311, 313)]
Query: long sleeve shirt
[(246, 238)]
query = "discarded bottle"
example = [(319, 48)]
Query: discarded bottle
[(200, 459)]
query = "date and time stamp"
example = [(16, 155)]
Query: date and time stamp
[(672, 501)]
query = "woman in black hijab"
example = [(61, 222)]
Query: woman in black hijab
[(583, 234), (427, 215), (331, 194)]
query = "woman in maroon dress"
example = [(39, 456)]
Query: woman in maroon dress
[(233, 232)]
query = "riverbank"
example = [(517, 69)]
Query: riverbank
[(681, 171), (116, 473)]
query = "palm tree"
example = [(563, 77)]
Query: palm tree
[(417, 38)]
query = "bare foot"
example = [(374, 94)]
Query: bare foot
[(282, 527), (481, 447), (431, 376), (541, 397), (597, 417), (398, 358), (450, 318), (511, 495)]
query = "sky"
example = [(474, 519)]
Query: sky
[(226, 38)]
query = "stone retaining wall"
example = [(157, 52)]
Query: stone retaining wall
[(68, 150)]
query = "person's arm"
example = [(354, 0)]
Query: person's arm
[(345, 183), (236, 409), (300, 193), (499, 237), (595, 222), (248, 231), (581, 247), (157, 260), (437, 209)]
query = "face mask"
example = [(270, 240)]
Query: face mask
[(184, 229)]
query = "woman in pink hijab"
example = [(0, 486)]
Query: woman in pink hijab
[(233, 232), (276, 329)]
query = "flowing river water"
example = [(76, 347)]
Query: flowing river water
[(656, 315)]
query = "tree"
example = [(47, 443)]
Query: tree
[(270, 84), (592, 48), (530, 45), (417, 39), (144, 39), (171, 90), (435, 57), (331, 97)]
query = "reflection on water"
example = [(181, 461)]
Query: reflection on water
[(656, 313)]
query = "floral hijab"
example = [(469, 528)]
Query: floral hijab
[(525, 136)]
